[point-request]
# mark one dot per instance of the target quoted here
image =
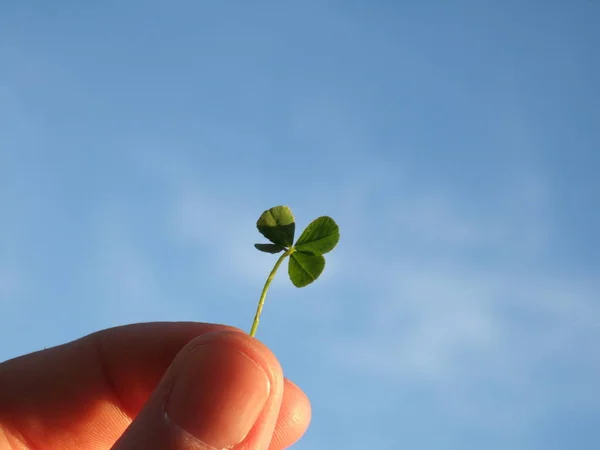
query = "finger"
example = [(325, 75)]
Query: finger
[(135, 359), (89, 390), (294, 417), (295, 410), (224, 390)]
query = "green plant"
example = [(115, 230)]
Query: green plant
[(306, 255)]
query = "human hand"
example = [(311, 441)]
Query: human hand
[(167, 386)]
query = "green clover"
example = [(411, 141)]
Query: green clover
[(306, 256)]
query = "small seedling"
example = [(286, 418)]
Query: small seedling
[(306, 255)]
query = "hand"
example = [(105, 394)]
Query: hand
[(167, 386)]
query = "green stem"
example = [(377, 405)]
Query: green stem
[(263, 295)]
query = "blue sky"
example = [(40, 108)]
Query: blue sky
[(456, 144)]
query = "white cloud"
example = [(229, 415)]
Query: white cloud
[(129, 286), (462, 325), (223, 227)]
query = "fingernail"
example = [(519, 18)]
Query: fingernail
[(218, 396)]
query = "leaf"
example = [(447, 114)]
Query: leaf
[(305, 267), (320, 236), (277, 225), (269, 248)]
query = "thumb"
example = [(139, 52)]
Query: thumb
[(222, 391)]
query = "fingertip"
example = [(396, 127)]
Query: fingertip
[(218, 392), (263, 430), (223, 390), (299, 401), (252, 347), (294, 417), (287, 415)]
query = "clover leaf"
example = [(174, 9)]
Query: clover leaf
[(270, 248), (307, 262), (321, 236), (277, 225), (305, 267)]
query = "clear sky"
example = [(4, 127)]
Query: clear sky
[(457, 144)]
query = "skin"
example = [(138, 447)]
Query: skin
[(106, 391)]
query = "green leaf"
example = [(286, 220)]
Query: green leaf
[(320, 236), (277, 225), (305, 267), (269, 248)]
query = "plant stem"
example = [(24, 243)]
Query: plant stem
[(263, 295)]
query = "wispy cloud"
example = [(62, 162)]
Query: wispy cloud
[(221, 225), (460, 304), (130, 285)]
